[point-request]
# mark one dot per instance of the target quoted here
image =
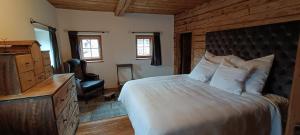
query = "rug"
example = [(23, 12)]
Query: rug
[(99, 110)]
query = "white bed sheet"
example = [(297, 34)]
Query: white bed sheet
[(178, 105)]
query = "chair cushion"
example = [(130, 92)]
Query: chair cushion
[(88, 86)]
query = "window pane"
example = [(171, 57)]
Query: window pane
[(86, 43), (86, 53), (144, 46), (140, 51), (95, 43), (140, 41), (95, 53), (146, 41), (147, 51)]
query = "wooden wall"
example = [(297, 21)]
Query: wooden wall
[(218, 15)]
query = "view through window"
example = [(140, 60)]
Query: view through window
[(90, 48), (144, 46)]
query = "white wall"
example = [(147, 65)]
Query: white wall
[(119, 44), (15, 16)]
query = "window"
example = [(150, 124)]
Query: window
[(43, 37), (144, 46), (90, 48)]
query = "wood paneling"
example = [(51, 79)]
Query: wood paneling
[(136, 6), (114, 126), (218, 15), (91, 5), (122, 7)]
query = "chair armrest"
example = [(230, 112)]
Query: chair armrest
[(91, 76)]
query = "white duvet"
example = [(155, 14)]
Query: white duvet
[(178, 105)]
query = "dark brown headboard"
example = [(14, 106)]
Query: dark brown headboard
[(254, 42)]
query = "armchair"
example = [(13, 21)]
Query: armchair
[(88, 85)]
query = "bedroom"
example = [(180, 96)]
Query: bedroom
[(152, 46)]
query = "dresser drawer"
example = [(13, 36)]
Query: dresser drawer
[(40, 77), (73, 122), (48, 71), (27, 80), (24, 63), (46, 58), (61, 98), (69, 115)]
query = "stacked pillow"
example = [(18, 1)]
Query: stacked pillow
[(233, 74), (207, 67), (230, 78)]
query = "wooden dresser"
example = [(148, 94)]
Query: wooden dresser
[(48, 108), (22, 65)]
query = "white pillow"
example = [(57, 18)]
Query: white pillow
[(229, 78), (257, 78), (204, 70), (213, 58)]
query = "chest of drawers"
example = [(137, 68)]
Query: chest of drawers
[(48, 108), (22, 66)]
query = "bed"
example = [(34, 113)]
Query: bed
[(179, 105)]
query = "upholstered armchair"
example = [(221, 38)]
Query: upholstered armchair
[(88, 84)]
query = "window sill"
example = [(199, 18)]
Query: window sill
[(143, 58), (94, 61)]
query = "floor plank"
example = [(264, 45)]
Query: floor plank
[(114, 126)]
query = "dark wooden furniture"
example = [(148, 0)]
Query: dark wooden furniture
[(88, 84), (21, 66), (121, 83), (294, 110), (48, 108)]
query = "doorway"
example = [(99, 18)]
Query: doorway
[(185, 51)]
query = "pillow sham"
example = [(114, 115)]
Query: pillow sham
[(257, 78), (204, 70), (229, 78), (213, 58)]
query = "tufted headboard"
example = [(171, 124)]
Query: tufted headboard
[(254, 42)]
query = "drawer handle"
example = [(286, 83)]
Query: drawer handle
[(62, 100), (29, 80), (27, 63), (65, 120)]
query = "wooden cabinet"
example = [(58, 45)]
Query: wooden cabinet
[(47, 64), (24, 63), (27, 66), (48, 108), (294, 109), (27, 80)]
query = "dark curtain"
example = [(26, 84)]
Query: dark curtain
[(75, 50), (156, 50), (57, 59)]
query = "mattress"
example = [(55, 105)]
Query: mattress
[(178, 105)]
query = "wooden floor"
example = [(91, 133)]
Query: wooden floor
[(114, 126)]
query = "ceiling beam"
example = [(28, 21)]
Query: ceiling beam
[(122, 7)]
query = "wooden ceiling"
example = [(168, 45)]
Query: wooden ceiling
[(120, 7)]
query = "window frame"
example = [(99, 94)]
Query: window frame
[(151, 37), (98, 37)]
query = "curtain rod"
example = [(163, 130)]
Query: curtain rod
[(96, 31), (36, 22)]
